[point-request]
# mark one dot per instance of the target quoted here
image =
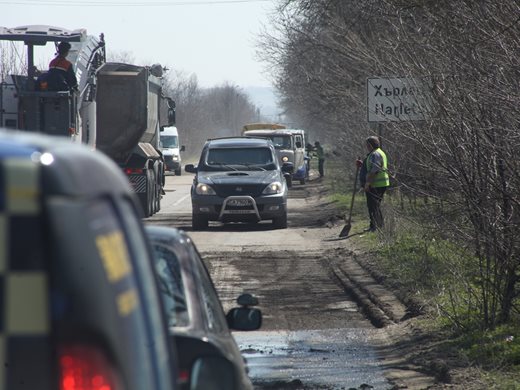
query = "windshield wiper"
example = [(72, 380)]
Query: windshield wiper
[(250, 166), (222, 165), (259, 166)]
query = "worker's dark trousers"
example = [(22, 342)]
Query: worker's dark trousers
[(374, 198), (320, 166)]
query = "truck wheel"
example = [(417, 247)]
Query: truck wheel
[(178, 171), (199, 222), (151, 202), (280, 222), (158, 197)]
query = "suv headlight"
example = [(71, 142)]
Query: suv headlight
[(204, 189), (273, 188)]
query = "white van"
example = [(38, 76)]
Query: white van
[(171, 150)]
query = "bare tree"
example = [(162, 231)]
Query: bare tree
[(464, 154), (12, 60), (204, 113)]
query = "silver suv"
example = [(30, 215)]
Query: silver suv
[(238, 179)]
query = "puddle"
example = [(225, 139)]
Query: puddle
[(321, 359)]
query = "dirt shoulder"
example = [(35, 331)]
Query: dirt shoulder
[(414, 355)]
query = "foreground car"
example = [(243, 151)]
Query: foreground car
[(196, 320), (238, 179), (80, 304)]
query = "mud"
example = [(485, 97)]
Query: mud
[(309, 283)]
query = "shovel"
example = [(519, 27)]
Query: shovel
[(346, 229)]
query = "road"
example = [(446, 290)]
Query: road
[(314, 336)]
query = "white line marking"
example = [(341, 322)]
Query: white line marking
[(181, 200)]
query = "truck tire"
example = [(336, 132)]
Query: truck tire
[(280, 222), (199, 222), (150, 193), (149, 205)]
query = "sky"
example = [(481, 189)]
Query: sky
[(215, 39)]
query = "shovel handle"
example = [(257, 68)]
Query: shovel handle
[(353, 194)]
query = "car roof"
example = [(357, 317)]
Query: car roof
[(264, 132), (233, 142), (77, 171)]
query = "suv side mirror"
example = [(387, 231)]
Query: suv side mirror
[(298, 144), (183, 148), (190, 168), (245, 318), (287, 167)]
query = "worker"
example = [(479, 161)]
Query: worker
[(61, 76), (377, 181), (321, 157)]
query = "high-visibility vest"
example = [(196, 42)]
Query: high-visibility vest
[(60, 63), (382, 179)]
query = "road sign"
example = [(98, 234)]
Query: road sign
[(396, 99)]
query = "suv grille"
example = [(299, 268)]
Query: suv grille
[(226, 190)]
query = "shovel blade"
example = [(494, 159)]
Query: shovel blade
[(345, 231)]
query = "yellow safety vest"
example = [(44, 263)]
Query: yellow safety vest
[(382, 179)]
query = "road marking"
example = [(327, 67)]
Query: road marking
[(181, 200)]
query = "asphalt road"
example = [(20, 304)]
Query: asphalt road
[(314, 335)]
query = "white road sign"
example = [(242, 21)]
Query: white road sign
[(396, 99)]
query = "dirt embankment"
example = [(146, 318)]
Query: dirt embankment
[(414, 356)]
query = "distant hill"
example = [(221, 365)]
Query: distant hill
[(265, 99)]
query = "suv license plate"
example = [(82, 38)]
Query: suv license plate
[(239, 202)]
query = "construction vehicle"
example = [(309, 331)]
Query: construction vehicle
[(131, 112), (68, 113)]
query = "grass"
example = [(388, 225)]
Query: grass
[(416, 256)]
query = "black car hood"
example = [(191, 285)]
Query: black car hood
[(239, 177)]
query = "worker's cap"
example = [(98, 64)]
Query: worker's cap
[(373, 141), (63, 47)]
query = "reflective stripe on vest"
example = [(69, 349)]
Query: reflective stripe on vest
[(381, 178), (60, 63)]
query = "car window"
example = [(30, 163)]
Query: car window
[(169, 141), (239, 156), (281, 142), (171, 285), (144, 271), (211, 302)]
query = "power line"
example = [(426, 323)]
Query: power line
[(68, 3)]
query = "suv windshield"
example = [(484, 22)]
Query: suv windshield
[(247, 157), (169, 141)]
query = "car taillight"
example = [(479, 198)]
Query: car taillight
[(133, 171), (184, 376), (84, 367)]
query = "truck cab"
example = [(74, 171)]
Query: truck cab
[(290, 148), (79, 300)]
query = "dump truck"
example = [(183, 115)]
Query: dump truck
[(131, 111)]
